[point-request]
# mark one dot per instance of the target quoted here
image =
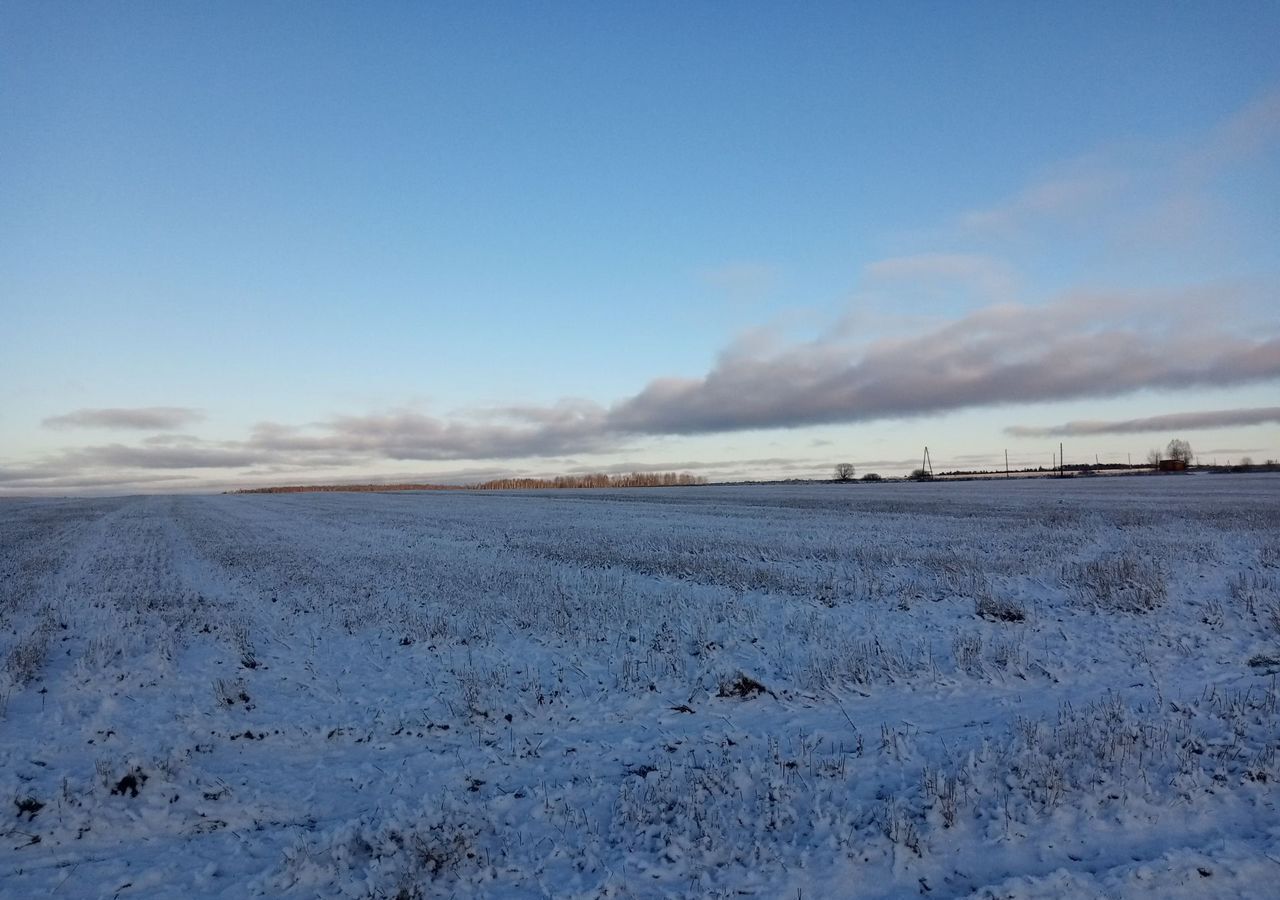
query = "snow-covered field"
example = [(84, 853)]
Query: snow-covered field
[(1000, 689)]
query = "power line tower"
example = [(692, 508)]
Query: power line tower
[(926, 464)]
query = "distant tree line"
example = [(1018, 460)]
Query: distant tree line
[(594, 480), (349, 488), (1246, 464)]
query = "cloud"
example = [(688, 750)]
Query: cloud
[(538, 431), (1137, 195), (924, 282), (146, 418), (1056, 196), (1241, 137), (1081, 346), (1078, 347), (24, 483), (985, 270), (60, 479), (741, 281), (1190, 421), (1180, 204), (151, 457)]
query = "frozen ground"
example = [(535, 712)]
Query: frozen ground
[(1024, 689)]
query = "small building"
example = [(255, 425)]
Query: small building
[(1173, 465)]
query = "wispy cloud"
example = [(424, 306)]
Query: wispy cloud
[(1055, 196), (990, 278), (1139, 194), (145, 418), (1173, 422), (741, 281), (1240, 137)]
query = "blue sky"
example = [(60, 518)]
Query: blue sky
[(265, 243)]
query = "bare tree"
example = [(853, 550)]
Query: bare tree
[(844, 471), (1180, 450), (1153, 458)]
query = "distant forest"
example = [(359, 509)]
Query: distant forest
[(594, 480)]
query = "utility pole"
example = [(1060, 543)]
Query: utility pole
[(1006, 463), (1062, 465)]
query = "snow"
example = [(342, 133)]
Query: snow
[(537, 694)]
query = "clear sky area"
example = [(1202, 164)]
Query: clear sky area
[(280, 243)]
